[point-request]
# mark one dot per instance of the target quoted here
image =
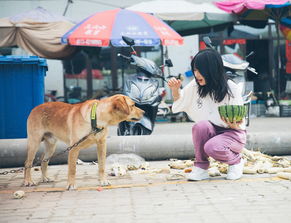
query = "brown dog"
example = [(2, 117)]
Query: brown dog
[(69, 123)]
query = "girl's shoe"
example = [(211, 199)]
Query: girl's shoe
[(235, 172), (198, 174)]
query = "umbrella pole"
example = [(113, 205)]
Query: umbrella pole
[(67, 6), (278, 65), (162, 58), (166, 58), (122, 71), (89, 76), (122, 74), (114, 77)]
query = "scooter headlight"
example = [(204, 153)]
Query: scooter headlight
[(134, 92), (148, 93)]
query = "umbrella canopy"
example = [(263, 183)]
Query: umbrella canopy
[(38, 32), (251, 12), (109, 26), (256, 13), (185, 17), (239, 6)]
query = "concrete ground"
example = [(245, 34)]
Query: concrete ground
[(146, 197)]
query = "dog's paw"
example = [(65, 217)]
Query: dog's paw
[(104, 183), (28, 183), (71, 187), (46, 180)]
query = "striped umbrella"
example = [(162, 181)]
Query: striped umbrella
[(109, 26)]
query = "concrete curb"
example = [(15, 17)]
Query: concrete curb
[(153, 147)]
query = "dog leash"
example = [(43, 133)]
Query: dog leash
[(94, 131)]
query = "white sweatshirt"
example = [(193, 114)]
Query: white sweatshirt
[(199, 109)]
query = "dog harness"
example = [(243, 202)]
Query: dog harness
[(94, 127)]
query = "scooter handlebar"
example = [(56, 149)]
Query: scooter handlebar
[(124, 57), (252, 70)]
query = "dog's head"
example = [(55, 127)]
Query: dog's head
[(123, 109)]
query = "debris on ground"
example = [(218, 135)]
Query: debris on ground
[(255, 163), (80, 162), (119, 164), (117, 169), (164, 170), (130, 160), (18, 194), (180, 164), (188, 170), (175, 176), (283, 175), (214, 172), (99, 189)]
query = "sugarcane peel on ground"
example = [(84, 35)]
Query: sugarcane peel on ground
[(255, 163)]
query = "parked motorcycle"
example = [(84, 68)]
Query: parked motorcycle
[(236, 69), (163, 108), (73, 95), (144, 89), (50, 95)]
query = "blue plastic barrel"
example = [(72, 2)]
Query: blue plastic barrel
[(21, 89)]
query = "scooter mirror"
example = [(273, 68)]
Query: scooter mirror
[(169, 63), (207, 41), (129, 41)]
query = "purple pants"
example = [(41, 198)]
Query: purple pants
[(222, 144)]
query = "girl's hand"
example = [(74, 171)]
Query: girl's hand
[(174, 84), (232, 125)]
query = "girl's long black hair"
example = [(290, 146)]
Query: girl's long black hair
[(209, 63)]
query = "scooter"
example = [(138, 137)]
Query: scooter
[(236, 69), (163, 108), (144, 89)]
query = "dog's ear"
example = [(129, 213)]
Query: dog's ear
[(120, 104)]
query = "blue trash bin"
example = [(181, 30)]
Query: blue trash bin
[(21, 89)]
